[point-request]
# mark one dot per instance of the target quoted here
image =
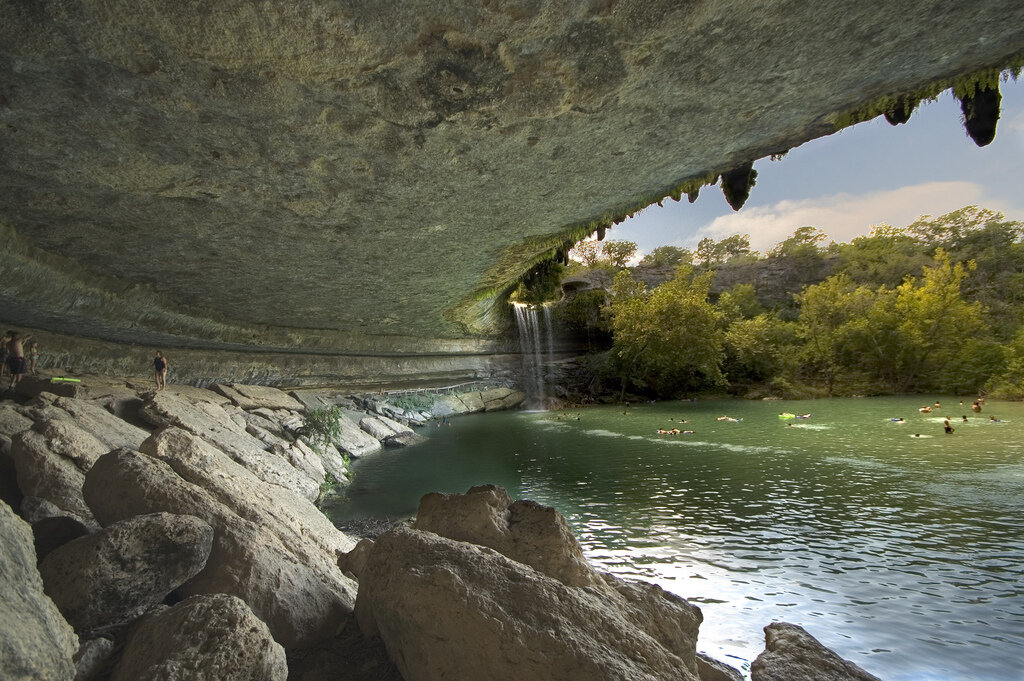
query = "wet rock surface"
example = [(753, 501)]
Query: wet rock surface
[(791, 654)]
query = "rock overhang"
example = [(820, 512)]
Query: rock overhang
[(345, 176)]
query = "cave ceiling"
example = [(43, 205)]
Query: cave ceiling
[(353, 175)]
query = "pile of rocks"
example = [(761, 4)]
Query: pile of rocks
[(187, 545)]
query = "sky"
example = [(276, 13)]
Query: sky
[(870, 173)]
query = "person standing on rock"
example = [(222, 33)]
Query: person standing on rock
[(160, 365), (33, 356), (16, 357)]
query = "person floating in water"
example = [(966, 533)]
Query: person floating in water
[(993, 419), (898, 419), (965, 418)]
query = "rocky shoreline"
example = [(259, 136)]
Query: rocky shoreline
[(175, 534)]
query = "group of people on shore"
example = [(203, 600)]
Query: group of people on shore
[(14, 361)]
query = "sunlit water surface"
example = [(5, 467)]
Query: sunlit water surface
[(904, 554)]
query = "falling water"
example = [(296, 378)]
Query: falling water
[(537, 348)]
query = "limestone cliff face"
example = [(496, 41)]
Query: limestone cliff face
[(346, 175)]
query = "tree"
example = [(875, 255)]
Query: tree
[(667, 339), (950, 230), (936, 321), (667, 256), (587, 252), (739, 302), (802, 245), (883, 258), (826, 309), (592, 253), (711, 253), (759, 349), (619, 253)]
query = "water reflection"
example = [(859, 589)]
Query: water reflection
[(900, 553)]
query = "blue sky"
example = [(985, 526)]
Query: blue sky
[(868, 174)]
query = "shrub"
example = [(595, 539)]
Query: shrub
[(322, 425)]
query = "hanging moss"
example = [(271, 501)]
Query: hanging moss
[(901, 111), (981, 113), (736, 184), (961, 86)]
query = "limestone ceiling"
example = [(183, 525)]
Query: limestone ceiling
[(346, 174)]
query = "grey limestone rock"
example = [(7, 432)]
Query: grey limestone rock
[(450, 609), (115, 575), (49, 474), (202, 638), (214, 424), (35, 640), (92, 658), (271, 548), (710, 669), (539, 536), (498, 399), (376, 428), (791, 654)]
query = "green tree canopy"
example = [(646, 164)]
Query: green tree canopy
[(667, 256), (667, 339), (710, 252)]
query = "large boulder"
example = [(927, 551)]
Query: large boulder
[(710, 669), (299, 523), (497, 399), (522, 530), (212, 423), (450, 609), (35, 640), (473, 402), (106, 427), (256, 396), (539, 536), (791, 654), (45, 472), (201, 638), (353, 439), (376, 428), (269, 548), (448, 405), (11, 421), (115, 575)]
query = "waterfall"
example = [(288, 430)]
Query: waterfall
[(535, 352)]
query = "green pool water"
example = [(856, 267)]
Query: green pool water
[(904, 554)]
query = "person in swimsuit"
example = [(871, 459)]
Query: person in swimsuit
[(160, 365), (16, 357), (33, 356)]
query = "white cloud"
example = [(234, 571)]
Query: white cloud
[(845, 216)]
